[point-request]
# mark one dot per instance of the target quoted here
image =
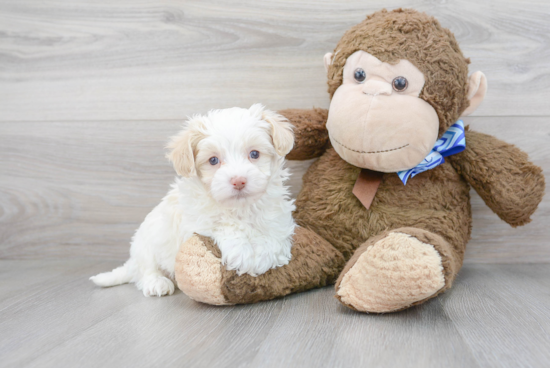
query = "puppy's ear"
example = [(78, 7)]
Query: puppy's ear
[(281, 129), (181, 153), (181, 148)]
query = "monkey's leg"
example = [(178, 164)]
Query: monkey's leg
[(200, 274), (398, 269)]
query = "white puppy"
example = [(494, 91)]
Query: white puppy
[(231, 189)]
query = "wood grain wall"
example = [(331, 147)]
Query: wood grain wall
[(90, 91)]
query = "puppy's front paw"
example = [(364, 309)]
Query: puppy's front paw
[(265, 260), (154, 285), (239, 257)]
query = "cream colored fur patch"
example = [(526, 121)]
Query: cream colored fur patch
[(198, 273), (392, 274)]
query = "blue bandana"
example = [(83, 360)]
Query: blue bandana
[(453, 141)]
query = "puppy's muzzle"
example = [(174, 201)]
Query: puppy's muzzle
[(238, 182)]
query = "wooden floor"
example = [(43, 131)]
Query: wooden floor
[(52, 316)]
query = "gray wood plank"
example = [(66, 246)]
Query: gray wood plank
[(40, 315), (322, 333), (140, 60), (80, 189), (496, 315), (501, 311), (21, 280)]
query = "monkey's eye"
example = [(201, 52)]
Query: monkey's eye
[(214, 161), (400, 84), (359, 75), (254, 155)]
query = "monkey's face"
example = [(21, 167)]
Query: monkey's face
[(377, 120)]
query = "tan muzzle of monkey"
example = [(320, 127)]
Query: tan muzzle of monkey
[(381, 132)]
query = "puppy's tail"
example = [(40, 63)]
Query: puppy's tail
[(118, 276)]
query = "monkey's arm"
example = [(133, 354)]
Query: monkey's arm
[(502, 175), (310, 131)]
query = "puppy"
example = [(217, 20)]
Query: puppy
[(231, 189)]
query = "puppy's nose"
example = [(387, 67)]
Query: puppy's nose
[(238, 182)]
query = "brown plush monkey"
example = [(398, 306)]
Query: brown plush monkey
[(398, 82)]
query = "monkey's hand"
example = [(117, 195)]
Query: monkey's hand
[(311, 135), (502, 175)]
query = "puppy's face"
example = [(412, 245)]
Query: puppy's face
[(233, 151)]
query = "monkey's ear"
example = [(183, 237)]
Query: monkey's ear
[(477, 87), (327, 60), (181, 150)]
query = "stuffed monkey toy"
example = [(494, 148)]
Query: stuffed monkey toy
[(384, 213)]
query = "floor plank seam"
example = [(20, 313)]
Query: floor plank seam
[(462, 337)]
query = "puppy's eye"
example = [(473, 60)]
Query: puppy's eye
[(254, 155), (359, 75), (400, 84), (214, 161)]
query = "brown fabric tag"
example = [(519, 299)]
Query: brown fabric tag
[(366, 186)]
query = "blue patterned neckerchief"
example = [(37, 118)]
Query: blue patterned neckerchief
[(452, 142)]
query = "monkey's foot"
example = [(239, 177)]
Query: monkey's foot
[(199, 271), (393, 272), (201, 275)]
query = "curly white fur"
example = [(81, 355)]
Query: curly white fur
[(253, 226)]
